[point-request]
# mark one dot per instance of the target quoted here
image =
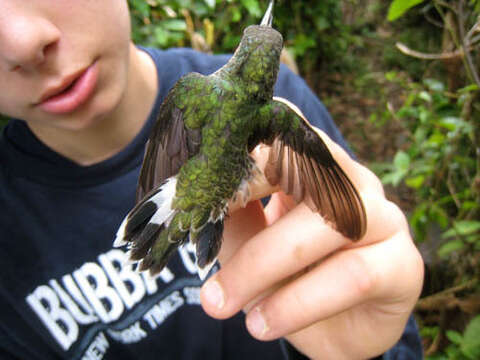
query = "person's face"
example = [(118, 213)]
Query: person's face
[(63, 63)]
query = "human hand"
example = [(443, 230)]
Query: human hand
[(297, 278)]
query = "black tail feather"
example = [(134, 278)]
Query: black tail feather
[(144, 241), (208, 242)]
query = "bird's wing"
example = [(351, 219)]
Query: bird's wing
[(301, 163), (172, 142)]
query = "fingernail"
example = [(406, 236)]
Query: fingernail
[(256, 323), (213, 294)]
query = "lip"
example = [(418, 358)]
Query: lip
[(73, 91)]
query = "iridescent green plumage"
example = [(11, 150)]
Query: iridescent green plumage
[(199, 151)]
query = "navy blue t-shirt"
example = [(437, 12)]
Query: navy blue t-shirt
[(65, 293)]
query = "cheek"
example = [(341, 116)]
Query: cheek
[(91, 27), (14, 98), (107, 21), (107, 38)]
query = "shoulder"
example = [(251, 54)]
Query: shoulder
[(173, 63), (179, 61)]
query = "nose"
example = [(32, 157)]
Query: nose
[(25, 39)]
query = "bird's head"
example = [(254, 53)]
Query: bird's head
[(257, 59)]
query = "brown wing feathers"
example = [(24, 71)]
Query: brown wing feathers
[(301, 163), (170, 145)]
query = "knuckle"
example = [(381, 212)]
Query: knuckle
[(386, 219), (416, 268), (300, 253), (363, 278), (396, 214), (368, 181)]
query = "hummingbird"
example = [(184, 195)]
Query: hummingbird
[(197, 158)]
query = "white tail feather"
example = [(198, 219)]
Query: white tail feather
[(203, 272), (119, 239), (164, 213)]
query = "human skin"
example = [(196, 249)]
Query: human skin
[(43, 42), (297, 278), (331, 298)]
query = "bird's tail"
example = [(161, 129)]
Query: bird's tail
[(143, 227), (151, 242), (207, 245)]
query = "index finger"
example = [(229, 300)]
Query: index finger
[(271, 256)]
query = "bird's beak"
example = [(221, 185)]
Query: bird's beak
[(268, 17)]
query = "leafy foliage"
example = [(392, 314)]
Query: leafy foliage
[(439, 162), (399, 7), (464, 346), (314, 32)]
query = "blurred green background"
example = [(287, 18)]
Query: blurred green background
[(401, 80)]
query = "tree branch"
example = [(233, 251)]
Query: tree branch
[(475, 28), (465, 46), (421, 55)]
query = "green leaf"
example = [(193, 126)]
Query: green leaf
[(415, 182), (439, 215), (467, 227), (252, 7), (302, 44), (429, 331), (391, 75), (174, 25), (424, 95), (453, 352), (469, 88), (393, 178), (418, 221), (472, 239), (449, 233), (420, 134), (140, 6), (470, 346), (434, 85), (399, 7), (401, 161), (469, 205), (436, 138), (450, 123), (454, 336), (322, 23), (449, 247), (200, 9), (161, 36), (210, 3), (453, 123), (236, 14)]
